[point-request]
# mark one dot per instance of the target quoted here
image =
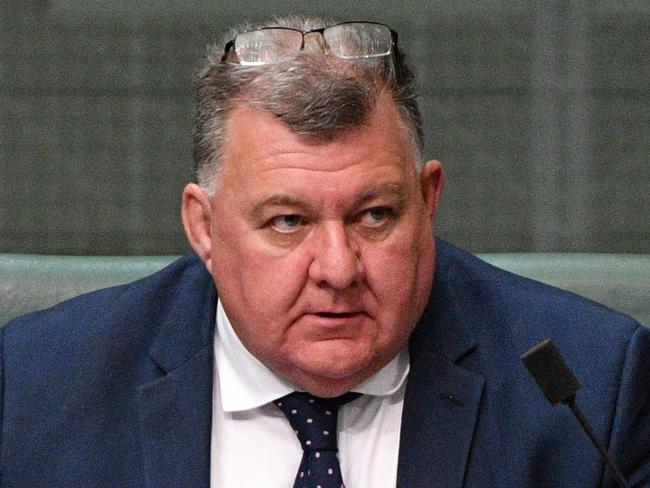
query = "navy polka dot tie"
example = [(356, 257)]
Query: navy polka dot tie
[(314, 421)]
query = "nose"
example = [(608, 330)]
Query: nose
[(336, 262)]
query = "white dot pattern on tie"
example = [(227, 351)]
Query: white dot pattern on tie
[(314, 422)]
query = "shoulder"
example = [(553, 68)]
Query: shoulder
[(481, 319), (133, 309), (72, 375), (524, 301), (507, 314)]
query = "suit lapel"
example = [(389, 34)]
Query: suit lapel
[(175, 409), (440, 411), (175, 421), (441, 403)]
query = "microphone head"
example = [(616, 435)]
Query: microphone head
[(550, 372)]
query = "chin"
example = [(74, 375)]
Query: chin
[(336, 375), (337, 358), (327, 387)]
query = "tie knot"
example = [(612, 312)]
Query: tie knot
[(314, 418)]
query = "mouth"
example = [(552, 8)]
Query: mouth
[(338, 315), (327, 320), (328, 325)]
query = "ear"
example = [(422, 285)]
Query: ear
[(196, 213), (432, 180)]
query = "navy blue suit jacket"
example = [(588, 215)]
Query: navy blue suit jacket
[(114, 388)]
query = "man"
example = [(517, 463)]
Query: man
[(313, 217)]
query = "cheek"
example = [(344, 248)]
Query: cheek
[(258, 291), (253, 277), (394, 261), (391, 276), (400, 274)]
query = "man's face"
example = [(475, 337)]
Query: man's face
[(322, 253)]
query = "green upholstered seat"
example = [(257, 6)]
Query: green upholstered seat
[(32, 282), (620, 281)]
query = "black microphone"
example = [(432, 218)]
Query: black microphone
[(558, 384)]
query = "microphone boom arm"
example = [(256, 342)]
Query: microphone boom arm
[(558, 385)]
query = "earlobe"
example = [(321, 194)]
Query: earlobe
[(432, 181), (196, 213)]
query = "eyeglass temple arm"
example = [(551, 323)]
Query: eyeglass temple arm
[(226, 50)]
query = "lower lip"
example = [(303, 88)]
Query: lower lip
[(334, 320)]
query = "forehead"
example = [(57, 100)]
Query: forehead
[(258, 142)]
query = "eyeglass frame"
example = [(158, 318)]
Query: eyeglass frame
[(230, 44)]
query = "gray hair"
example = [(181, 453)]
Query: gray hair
[(317, 96)]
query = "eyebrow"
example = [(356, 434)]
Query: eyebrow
[(380, 190), (278, 200), (389, 189)]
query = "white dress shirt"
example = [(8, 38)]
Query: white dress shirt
[(253, 444)]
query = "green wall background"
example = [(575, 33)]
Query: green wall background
[(540, 112)]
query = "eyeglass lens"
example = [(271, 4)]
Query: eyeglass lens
[(351, 40), (358, 40), (266, 45)]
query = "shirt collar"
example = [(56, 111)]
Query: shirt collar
[(246, 383)]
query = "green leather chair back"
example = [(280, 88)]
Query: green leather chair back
[(32, 282), (620, 281)]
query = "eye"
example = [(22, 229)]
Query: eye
[(376, 216), (287, 224)]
